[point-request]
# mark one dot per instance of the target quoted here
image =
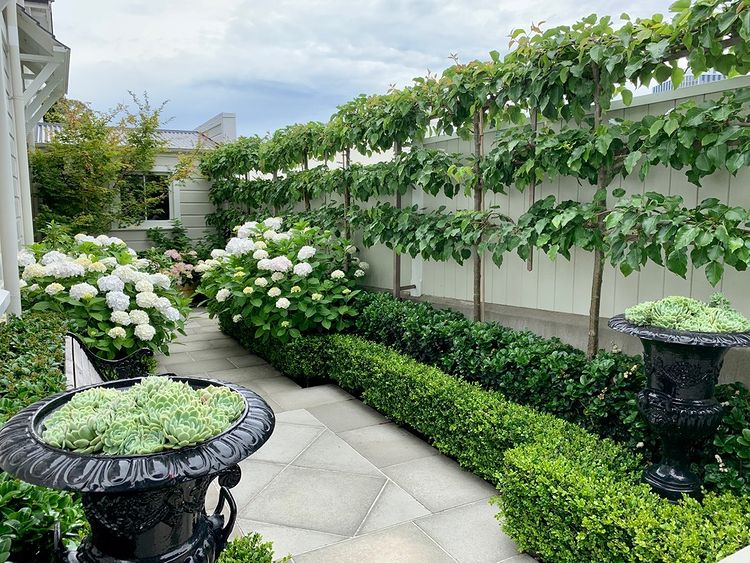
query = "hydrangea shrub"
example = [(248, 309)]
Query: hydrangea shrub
[(107, 294), (282, 284)]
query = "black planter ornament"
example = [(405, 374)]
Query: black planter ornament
[(679, 404), (144, 508)]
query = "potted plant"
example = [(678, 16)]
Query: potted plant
[(684, 343), (142, 453)]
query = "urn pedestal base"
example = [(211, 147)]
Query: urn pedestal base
[(672, 481)]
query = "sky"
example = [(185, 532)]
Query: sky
[(278, 62)]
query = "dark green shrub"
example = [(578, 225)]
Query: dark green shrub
[(32, 354), (249, 549), (565, 494)]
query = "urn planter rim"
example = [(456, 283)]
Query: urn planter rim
[(24, 454), (684, 337)]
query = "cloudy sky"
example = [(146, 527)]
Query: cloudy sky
[(276, 62)]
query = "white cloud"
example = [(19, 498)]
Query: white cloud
[(277, 62)]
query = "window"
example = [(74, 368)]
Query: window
[(146, 197)]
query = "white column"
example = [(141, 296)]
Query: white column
[(8, 227), (19, 118)]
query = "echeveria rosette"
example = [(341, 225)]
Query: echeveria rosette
[(87, 279), (155, 415), (687, 314), (267, 277)]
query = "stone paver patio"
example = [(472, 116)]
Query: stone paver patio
[(337, 481)]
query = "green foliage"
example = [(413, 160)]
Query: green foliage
[(282, 284), (31, 359), (564, 494), (250, 549), (28, 516), (81, 176), (32, 353), (151, 416), (684, 313)]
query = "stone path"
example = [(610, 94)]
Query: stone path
[(337, 481)]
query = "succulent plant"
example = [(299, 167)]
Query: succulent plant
[(684, 313), (149, 417)]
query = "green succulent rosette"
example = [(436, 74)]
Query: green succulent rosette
[(152, 416), (688, 314)]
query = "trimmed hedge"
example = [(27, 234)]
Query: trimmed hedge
[(565, 494), (32, 355)]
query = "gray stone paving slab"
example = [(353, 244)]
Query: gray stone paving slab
[(287, 442), (174, 358), (347, 415), (276, 384), (211, 353), (456, 530), (196, 336), (256, 475), (246, 360), (439, 483), (328, 451), (288, 540), (402, 544), (314, 499), (387, 444), (393, 506), (311, 397), (193, 368), (242, 376), (299, 416)]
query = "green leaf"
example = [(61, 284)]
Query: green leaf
[(714, 272), (677, 75), (680, 6), (627, 96), (631, 160)]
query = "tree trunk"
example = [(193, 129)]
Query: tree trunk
[(532, 187), (396, 255), (598, 274), (306, 194), (347, 196), (478, 204), (274, 177)]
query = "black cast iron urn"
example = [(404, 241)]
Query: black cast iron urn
[(679, 404), (146, 508)]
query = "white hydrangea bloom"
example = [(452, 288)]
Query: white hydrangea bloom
[(144, 286), (261, 282), (53, 256), (277, 276), (116, 332), (248, 290), (316, 297), (351, 249), (236, 318), (283, 236), (274, 292), (218, 253), (162, 304), (222, 294), (118, 301), (22, 283), (273, 223), (110, 283), (305, 253), (264, 264), (171, 314), (67, 269), (145, 332), (138, 317), (283, 303), (239, 246), (302, 269), (142, 263), (359, 273), (82, 291), (53, 288), (81, 238), (126, 274), (281, 264), (337, 275), (34, 287), (33, 271), (133, 253), (99, 267), (249, 228), (260, 245), (109, 261), (26, 258), (260, 254), (160, 280), (83, 260), (363, 265), (295, 289), (269, 235), (146, 299), (120, 318)]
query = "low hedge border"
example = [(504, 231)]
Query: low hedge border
[(565, 494)]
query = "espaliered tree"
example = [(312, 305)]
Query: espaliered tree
[(549, 98)]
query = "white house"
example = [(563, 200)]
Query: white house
[(185, 200), (34, 75)]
